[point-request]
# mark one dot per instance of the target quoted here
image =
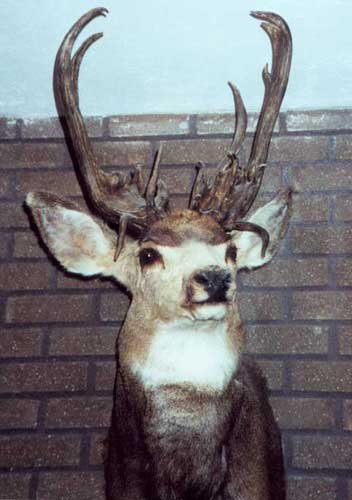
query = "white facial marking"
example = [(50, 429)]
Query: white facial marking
[(195, 353), (208, 312), (167, 284), (193, 255)]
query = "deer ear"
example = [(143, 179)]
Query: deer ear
[(273, 217), (75, 239)]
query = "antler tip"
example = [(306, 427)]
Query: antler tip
[(232, 86), (272, 19), (100, 11)]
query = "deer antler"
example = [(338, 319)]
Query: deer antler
[(116, 197), (229, 195)]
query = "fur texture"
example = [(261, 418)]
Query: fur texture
[(191, 418)]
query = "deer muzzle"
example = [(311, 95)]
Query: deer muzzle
[(210, 286)]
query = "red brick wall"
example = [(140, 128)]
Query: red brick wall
[(58, 332)]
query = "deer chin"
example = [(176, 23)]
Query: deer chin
[(207, 311)]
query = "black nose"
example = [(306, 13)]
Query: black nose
[(215, 283)]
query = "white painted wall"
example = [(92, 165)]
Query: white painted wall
[(173, 55)]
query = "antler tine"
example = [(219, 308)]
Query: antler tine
[(241, 119), (275, 84), (151, 189), (233, 189), (113, 195), (214, 196), (77, 59)]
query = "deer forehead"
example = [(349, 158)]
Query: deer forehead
[(192, 255)]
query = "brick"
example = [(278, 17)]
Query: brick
[(321, 177), (105, 375), (261, 199), (343, 208), (43, 377), (273, 372), (272, 180), (122, 153), (50, 128), (343, 147), (8, 129), (78, 413), (329, 305), (20, 343), (48, 309), (224, 123), (5, 243), (347, 415), (6, 185), (215, 123), (39, 450), (27, 245), (287, 339), (345, 339), (145, 125), (70, 281), (321, 240), (344, 272), (313, 208), (61, 182), (113, 306), (289, 273), (18, 414), (298, 148), (39, 155), (322, 452), (321, 376), (14, 486), (310, 488), (98, 448), (178, 180), (78, 485), (24, 276), (297, 121), (260, 306), (12, 215), (179, 202), (182, 152), (304, 413), (84, 341)]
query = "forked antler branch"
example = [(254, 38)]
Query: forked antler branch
[(116, 195), (229, 195)]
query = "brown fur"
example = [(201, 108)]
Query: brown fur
[(236, 455), (178, 441), (182, 225)]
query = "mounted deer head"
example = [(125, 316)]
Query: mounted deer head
[(183, 329)]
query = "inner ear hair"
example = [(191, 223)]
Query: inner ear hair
[(254, 228)]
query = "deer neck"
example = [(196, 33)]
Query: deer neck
[(181, 352)]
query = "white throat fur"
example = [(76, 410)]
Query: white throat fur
[(185, 352)]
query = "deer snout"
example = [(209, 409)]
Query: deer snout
[(210, 285)]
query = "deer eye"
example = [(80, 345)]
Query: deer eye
[(231, 253), (148, 256)]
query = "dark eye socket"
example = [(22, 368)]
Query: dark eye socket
[(148, 256), (231, 253)]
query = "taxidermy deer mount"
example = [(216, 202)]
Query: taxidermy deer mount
[(191, 418)]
